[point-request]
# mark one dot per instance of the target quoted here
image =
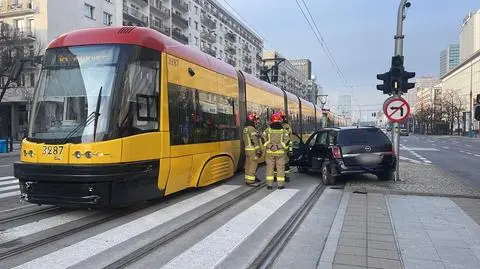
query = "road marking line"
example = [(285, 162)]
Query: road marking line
[(94, 245), (477, 155), (42, 225), (410, 160), (6, 178), (8, 182), (5, 165), (9, 194), (16, 208), (469, 153), (212, 250), (10, 188), (445, 147), (462, 151)]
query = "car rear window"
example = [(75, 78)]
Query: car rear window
[(371, 136)]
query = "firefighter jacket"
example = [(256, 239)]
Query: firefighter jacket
[(275, 143), (250, 136), (288, 135)]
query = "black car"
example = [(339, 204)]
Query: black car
[(345, 151)]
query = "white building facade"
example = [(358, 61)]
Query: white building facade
[(470, 35)]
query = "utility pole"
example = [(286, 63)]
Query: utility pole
[(323, 101), (399, 52)]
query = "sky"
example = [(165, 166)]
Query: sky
[(359, 35)]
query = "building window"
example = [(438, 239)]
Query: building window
[(196, 10), (196, 25), (196, 41), (88, 11), (32, 80), (189, 21), (108, 1), (107, 18)]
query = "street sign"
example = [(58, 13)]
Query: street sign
[(396, 109)]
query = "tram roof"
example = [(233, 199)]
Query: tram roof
[(254, 81), (145, 37)]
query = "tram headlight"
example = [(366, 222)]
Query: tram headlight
[(77, 154), (88, 154)]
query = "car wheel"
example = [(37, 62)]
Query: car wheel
[(302, 169), (387, 176), (327, 177)]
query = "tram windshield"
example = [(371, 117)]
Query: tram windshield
[(117, 84)]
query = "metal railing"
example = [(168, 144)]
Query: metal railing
[(208, 36), (177, 35), (135, 14), (209, 50), (247, 59), (157, 5), (231, 37), (180, 5), (178, 20), (208, 22), (230, 49), (19, 8)]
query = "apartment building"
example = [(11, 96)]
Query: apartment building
[(288, 77)]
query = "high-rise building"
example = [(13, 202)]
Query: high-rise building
[(470, 35), (344, 105), (287, 76), (304, 65), (204, 24), (449, 58)]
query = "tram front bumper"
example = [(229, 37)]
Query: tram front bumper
[(88, 185)]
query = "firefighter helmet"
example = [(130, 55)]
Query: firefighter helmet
[(283, 115), (253, 117), (276, 117)]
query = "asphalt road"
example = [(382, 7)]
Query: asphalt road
[(459, 156)]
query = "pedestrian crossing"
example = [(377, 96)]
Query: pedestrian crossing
[(9, 187), (206, 253)]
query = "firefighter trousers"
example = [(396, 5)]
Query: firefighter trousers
[(251, 164), (275, 161), (287, 168)]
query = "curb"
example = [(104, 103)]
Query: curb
[(10, 155), (399, 192)]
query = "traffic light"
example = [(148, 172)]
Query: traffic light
[(385, 87), (396, 73), (405, 84)]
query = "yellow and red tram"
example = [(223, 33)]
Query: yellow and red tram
[(124, 114)]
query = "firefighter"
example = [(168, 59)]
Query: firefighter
[(252, 149), (288, 142), (275, 155)]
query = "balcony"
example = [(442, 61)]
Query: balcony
[(24, 7), (246, 48), (209, 50), (135, 15), (160, 9), (208, 22), (159, 26), (180, 5), (230, 49), (177, 35), (208, 36), (258, 57), (231, 62), (143, 3), (247, 59), (231, 37), (178, 20), (198, 2), (247, 69)]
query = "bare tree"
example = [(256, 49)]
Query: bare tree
[(18, 47), (453, 106)]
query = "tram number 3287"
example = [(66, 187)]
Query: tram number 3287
[(49, 150)]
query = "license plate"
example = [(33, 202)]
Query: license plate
[(369, 158), (52, 150)]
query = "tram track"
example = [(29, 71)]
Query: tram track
[(11, 252), (27, 214), (176, 233), (274, 248)]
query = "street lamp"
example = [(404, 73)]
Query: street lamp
[(323, 101)]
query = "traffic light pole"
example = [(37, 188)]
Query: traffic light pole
[(398, 52)]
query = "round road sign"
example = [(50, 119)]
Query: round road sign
[(396, 109)]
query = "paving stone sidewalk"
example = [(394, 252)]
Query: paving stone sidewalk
[(417, 179), (403, 231)]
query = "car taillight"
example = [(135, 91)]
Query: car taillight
[(337, 152), (393, 151)]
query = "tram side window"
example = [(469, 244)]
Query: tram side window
[(140, 94), (200, 117)]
